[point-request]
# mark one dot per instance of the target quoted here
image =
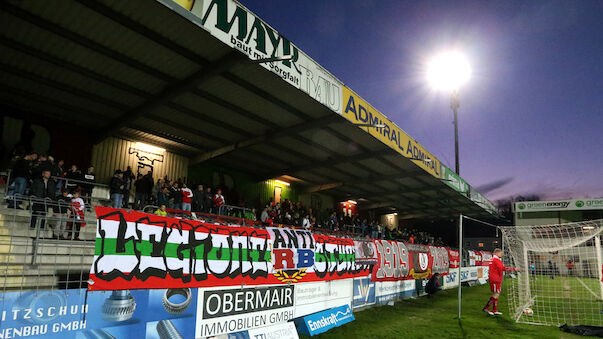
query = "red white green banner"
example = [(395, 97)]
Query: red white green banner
[(138, 250)]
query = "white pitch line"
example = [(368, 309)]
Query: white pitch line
[(591, 291)]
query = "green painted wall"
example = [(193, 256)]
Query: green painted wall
[(254, 193)]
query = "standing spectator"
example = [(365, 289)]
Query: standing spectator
[(306, 222), (140, 192), (176, 195), (198, 198), (42, 190), (62, 209), (187, 196), (156, 189), (128, 178), (264, 216), (207, 201), (148, 187), (77, 217), (218, 201), (41, 165), (72, 174), (22, 174), (58, 172), (116, 189), (87, 188), (163, 197)]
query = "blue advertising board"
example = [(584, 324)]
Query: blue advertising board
[(320, 322), (78, 313), (364, 292)]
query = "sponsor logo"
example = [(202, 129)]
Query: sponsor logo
[(451, 277), (364, 292), (521, 206), (579, 203), (221, 303), (323, 321)]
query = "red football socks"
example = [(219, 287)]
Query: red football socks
[(490, 302)]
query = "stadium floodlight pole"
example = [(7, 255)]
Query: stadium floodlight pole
[(460, 259), (449, 71), (455, 104)]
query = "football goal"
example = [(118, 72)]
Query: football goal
[(560, 277)]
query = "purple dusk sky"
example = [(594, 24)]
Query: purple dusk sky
[(532, 114)]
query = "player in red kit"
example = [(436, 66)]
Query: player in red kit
[(496, 269)]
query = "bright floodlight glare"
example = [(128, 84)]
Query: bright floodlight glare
[(448, 71)]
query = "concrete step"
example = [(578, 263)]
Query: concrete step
[(13, 282)]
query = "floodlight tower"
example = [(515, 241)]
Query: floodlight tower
[(448, 71)]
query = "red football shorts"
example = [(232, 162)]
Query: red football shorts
[(495, 287)]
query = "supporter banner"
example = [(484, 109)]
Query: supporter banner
[(441, 262), (364, 292), (235, 309), (453, 258), (323, 321), (394, 261), (387, 291), (475, 258), (300, 253), (322, 295), (140, 250), (399, 261), (366, 252), (78, 313), (358, 111), (239, 28), (486, 257)]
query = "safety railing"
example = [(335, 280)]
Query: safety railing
[(44, 245)]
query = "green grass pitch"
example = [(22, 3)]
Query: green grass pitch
[(436, 318)]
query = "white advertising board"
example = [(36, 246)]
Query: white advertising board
[(313, 297)]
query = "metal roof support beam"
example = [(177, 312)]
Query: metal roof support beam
[(324, 187), (273, 135), (330, 162), (174, 90)]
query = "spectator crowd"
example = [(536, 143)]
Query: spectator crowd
[(41, 177)]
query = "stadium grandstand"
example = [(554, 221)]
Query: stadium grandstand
[(207, 121)]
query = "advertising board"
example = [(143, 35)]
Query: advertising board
[(240, 29), (322, 295), (78, 313), (364, 292), (387, 291), (325, 320), (236, 309)]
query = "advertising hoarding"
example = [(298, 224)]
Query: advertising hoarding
[(358, 111), (240, 29), (323, 321), (365, 293)]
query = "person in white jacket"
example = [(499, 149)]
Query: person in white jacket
[(77, 216)]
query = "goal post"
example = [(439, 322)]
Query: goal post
[(560, 278)]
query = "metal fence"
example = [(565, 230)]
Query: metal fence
[(44, 245)]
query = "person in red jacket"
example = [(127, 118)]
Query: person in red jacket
[(496, 270)]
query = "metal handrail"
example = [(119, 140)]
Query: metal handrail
[(79, 181)]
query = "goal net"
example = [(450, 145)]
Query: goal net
[(560, 277)]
